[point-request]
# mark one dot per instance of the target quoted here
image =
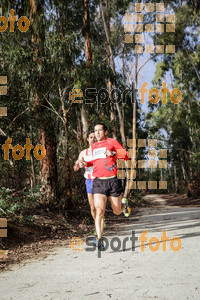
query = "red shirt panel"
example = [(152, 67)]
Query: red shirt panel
[(105, 166)]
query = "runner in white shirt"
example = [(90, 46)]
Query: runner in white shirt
[(88, 172)]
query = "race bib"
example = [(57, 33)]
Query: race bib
[(97, 153)]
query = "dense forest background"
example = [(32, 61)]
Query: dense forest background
[(75, 44)]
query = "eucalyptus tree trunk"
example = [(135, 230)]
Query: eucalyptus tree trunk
[(185, 173), (68, 199), (176, 180), (86, 31), (134, 120), (33, 178), (84, 121), (47, 135), (112, 64), (109, 83), (88, 54)]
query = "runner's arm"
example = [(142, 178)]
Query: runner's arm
[(121, 153), (77, 163), (110, 153), (89, 163)]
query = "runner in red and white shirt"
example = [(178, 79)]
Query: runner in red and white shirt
[(106, 184)]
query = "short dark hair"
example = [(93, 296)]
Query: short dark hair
[(89, 132), (105, 128)]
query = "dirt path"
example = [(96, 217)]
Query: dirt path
[(131, 274)]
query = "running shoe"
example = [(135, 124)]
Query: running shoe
[(99, 243), (127, 209)]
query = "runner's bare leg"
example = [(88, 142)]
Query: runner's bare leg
[(117, 206), (100, 206), (92, 208)]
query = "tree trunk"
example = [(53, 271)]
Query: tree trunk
[(68, 200), (134, 121), (161, 174), (113, 120), (49, 168), (79, 130), (135, 99), (112, 64), (46, 132), (69, 204), (170, 175), (33, 180), (185, 175), (124, 78), (88, 54), (176, 180), (84, 121), (109, 83), (86, 31)]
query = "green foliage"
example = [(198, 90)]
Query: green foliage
[(138, 197), (57, 40), (179, 124), (13, 206)]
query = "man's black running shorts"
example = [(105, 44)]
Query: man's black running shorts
[(108, 187)]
